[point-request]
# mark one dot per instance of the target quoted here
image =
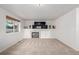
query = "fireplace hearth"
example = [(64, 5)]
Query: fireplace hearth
[(35, 34)]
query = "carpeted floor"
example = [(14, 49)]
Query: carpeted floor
[(39, 47)]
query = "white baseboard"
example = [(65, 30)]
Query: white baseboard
[(76, 49)]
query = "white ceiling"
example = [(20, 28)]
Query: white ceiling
[(36, 11)]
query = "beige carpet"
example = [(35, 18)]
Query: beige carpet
[(39, 47)]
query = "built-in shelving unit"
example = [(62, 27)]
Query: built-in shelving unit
[(40, 25)]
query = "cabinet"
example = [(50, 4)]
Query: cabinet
[(42, 33)]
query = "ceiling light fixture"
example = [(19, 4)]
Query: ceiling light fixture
[(39, 5)]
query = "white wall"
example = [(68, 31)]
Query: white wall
[(7, 39), (44, 33), (66, 28), (77, 29)]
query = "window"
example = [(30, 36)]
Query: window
[(12, 25)]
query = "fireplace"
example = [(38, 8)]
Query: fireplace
[(35, 34)]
